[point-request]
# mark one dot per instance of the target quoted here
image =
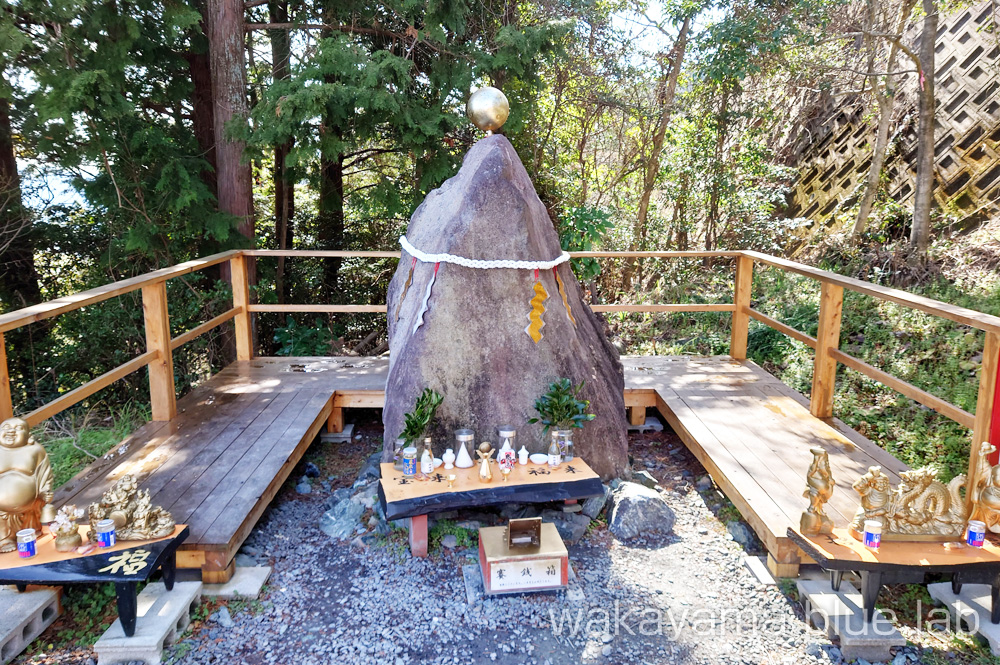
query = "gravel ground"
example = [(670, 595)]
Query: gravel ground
[(684, 597)]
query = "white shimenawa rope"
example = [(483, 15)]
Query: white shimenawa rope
[(480, 263)]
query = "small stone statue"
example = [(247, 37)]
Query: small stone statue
[(25, 483), (986, 493), (132, 511), (819, 489)]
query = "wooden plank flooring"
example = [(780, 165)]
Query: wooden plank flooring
[(236, 439), (754, 435)]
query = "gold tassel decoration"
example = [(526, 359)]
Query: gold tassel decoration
[(535, 323), (406, 287), (562, 292)]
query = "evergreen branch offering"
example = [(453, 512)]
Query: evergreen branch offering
[(418, 421), (559, 406)]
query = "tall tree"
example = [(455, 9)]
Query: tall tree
[(284, 184), (923, 196), (227, 57)]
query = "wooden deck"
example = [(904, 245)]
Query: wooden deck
[(753, 434), (219, 463), (236, 439)]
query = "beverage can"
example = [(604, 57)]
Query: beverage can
[(873, 534), (26, 541), (106, 533), (976, 534)]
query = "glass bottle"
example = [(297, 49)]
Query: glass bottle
[(409, 462), (566, 444), (554, 456), (397, 454), (427, 458)]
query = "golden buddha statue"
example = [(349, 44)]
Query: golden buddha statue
[(25, 483), (986, 493)]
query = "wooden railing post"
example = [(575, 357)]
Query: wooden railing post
[(741, 315), (6, 404), (831, 302), (162, 397), (984, 404), (241, 299)]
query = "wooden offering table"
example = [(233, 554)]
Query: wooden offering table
[(899, 562), (125, 564), (529, 483)]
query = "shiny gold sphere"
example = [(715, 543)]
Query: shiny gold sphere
[(488, 109)]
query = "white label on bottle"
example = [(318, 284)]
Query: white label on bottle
[(554, 460), (510, 575)]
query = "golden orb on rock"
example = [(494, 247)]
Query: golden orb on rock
[(488, 109)]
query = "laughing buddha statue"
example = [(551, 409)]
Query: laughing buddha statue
[(25, 483)]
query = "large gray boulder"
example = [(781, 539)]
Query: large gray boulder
[(472, 346), (636, 509)]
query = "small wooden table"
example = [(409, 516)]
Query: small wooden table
[(531, 483), (126, 564), (903, 563)]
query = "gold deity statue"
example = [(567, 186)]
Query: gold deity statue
[(986, 493), (25, 483), (134, 515), (921, 508), (819, 489)]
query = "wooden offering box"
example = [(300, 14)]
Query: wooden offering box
[(541, 568)]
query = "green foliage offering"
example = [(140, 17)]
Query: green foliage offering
[(559, 406), (296, 340), (417, 422)]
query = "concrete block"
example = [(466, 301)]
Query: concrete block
[(972, 606), (652, 424), (841, 615), (24, 617), (163, 616), (245, 583), (344, 436)]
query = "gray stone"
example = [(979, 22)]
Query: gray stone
[(571, 532), (704, 484), (645, 478), (340, 521), (636, 510), (304, 488), (450, 541), (223, 618), (490, 210), (840, 614), (25, 616), (900, 659), (593, 506), (743, 535), (311, 470), (367, 496), (371, 469)]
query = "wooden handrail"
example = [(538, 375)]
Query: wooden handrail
[(824, 372), (89, 388), (947, 409), (808, 340), (969, 317), (200, 330), (46, 310)]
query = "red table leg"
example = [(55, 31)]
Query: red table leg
[(418, 535)]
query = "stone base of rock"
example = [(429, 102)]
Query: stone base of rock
[(971, 607), (652, 424), (840, 614), (343, 436), (246, 582), (162, 618), (636, 509), (24, 617)]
